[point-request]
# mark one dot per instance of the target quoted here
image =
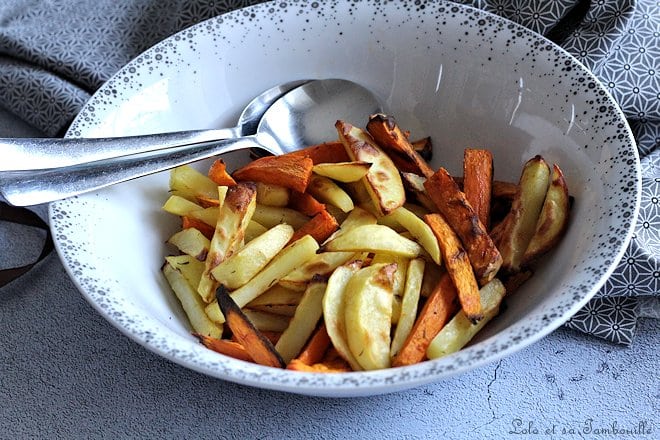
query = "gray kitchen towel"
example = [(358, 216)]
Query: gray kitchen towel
[(55, 53)]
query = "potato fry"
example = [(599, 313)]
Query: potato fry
[(452, 204), (219, 175), (192, 304), (191, 268), (320, 264), (553, 219), (387, 134), (286, 171), (373, 238), (334, 303), (277, 295), (327, 191), (320, 227), (458, 266), (258, 347), (343, 171), (207, 215), (289, 258), (181, 206), (367, 315), (241, 266), (233, 218), (263, 321), (515, 232), (398, 280), (269, 216), (357, 217), (191, 241), (410, 300), (478, 182), (253, 230), (438, 309), (460, 330), (272, 195), (418, 229), (187, 182), (303, 323), (383, 180), (275, 309)]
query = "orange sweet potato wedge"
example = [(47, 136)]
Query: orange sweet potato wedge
[(327, 152), (256, 344), (438, 309), (478, 181), (226, 347), (191, 222), (458, 266), (218, 173), (287, 171), (316, 347), (320, 227), (452, 204), (305, 203)]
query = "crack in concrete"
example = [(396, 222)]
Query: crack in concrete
[(489, 392)]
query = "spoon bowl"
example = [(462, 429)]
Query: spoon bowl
[(296, 120), (22, 154)]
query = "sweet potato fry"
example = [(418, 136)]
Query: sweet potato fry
[(271, 335), (316, 347), (225, 346), (388, 135), (287, 171), (320, 227), (257, 345), (333, 366), (438, 309), (218, 173), (452, 204), (327, 152), (458, 266), (305, 203), (191, 222), (478, 181), (500, 190)]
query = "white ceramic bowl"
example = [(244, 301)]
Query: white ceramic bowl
[(462, 76)]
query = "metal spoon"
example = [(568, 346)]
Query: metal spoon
[(22, 154), (305, 116)]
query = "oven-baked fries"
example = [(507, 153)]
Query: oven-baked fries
[(355, 254)]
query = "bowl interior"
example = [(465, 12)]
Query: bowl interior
[(462, 76)]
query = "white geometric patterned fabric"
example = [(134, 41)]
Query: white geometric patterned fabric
[(55, 54)]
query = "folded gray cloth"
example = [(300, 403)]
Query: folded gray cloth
[(55, 54)]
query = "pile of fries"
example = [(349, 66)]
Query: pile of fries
[(355, 254)]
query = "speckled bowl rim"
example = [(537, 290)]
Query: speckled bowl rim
[(174, 347)]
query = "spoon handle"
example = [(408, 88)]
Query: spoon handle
[(25, 154), (33, 187)]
